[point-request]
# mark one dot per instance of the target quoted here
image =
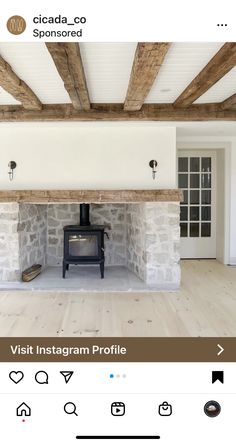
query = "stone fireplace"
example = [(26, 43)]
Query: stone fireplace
[(143, 230)]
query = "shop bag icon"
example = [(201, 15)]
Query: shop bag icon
[(165, 409)]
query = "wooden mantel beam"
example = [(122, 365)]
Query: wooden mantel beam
[(68, 61), (223, 61), (147, 62), (91, 196), (229, 103), (115, 112), (17, 87)]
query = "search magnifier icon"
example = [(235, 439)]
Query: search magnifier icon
[(70, 408)]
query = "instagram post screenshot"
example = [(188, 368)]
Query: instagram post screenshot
[(117, 222)]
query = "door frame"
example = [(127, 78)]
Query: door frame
[(224, 201), (203, 247)]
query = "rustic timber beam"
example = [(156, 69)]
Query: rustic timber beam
[(115, 112), (68, 61), (223, 61), (91, 196), (229, 103), (17, 87), (147, 62)]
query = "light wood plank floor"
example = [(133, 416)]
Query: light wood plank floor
[(205, 306)]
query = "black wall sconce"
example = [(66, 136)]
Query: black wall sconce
[(153, 164), (12, 165)]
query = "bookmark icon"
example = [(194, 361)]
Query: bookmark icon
[(217, 376)]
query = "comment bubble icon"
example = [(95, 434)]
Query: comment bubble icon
[(41, 377)]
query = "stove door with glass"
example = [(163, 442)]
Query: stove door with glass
[(83, 246)]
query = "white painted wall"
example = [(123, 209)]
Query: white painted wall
[(87, 156), (102, 155)]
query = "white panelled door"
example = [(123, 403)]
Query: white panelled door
[(197, 179)]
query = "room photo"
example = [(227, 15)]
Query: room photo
[(117, 189)]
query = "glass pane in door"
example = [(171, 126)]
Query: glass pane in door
[(206, 164), (194, 213), (185, 197), (183, 230), (183, 181), (206, 180), (183, 213), (206, 213), (194, 180), (194, 197), (183, 164), (206, 230), (194, 164), (194, 230), (206, 197)]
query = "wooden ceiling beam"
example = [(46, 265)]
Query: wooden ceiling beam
[(17, 87), (229, 103), (115, 112), (146, 65), (68, 61), (223, 61)]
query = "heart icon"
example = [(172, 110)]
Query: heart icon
[(16, 377)]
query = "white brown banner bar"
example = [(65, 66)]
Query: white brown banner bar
[(118, 349)]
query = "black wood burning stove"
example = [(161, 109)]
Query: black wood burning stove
[(84, 243)]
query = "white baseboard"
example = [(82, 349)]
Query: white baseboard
[(232, 261)]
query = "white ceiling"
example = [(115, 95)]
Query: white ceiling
[(223, 89), (33, 64), (181, 65), (107, 67)]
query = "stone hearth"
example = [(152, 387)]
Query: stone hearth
[(144, 237)]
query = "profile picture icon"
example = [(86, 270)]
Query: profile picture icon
[(16, 25)]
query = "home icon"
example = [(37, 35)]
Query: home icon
[(23, 410)]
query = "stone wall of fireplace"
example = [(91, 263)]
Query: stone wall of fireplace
[(153, 243), (23, 238), (32, 232), (9, 242), (162, 240), (144, 237), (135, 238)]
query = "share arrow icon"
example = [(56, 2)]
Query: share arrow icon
[(67, 376)]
